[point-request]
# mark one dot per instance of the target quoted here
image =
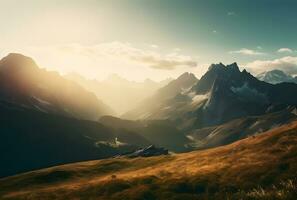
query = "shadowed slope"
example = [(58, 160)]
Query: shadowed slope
[(33, 140), (241, 128), (159, 132)]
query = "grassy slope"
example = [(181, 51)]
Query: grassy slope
[(231, 170)]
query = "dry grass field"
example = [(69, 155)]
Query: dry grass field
[(259, 167)]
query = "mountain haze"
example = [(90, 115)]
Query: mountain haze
[(119, 93), (148, 100), (48, 120), (24, 83), (150, 106)]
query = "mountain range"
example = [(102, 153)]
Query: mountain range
[(120, 94), (223, 93), (48, 120), (23, 82)]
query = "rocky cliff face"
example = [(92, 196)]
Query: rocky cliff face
[(224, 93)]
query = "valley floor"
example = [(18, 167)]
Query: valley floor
[(258, 167)]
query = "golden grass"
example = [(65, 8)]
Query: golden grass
[(259, 161)]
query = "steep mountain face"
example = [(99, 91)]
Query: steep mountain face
[(32, 139), (232, 94), (276, 76), (224, 93), (150, 107), (181, 84), (260, 167), (24, 83), (118, 92)]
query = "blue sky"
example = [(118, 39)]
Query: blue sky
[(151, 38)]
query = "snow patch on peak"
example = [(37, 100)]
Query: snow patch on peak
[(199, 98), (41, 101), (294, 111)]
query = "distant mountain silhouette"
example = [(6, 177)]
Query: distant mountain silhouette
[(24, 83), (276, 76), (152, 105), (120, 94)]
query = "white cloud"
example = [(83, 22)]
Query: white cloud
[(285, 50), (154, 46), (102, 59), (168, 62), (148, 58), (122, 52), (231, 13), (214, 31), (177, 49), (248, 52), (288, 64)]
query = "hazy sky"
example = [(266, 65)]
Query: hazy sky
[(138, 39)]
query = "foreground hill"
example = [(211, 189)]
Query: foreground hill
[(24, 83), (32, 139), (259, 167)]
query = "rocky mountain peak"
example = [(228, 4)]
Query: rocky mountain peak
[(233, 67), (187, 76), (15, 61), (275, 76), (221, 67), (217, 71)]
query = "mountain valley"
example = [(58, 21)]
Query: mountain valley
[(188, 139)]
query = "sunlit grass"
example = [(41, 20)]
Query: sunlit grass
[(261, 167)]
